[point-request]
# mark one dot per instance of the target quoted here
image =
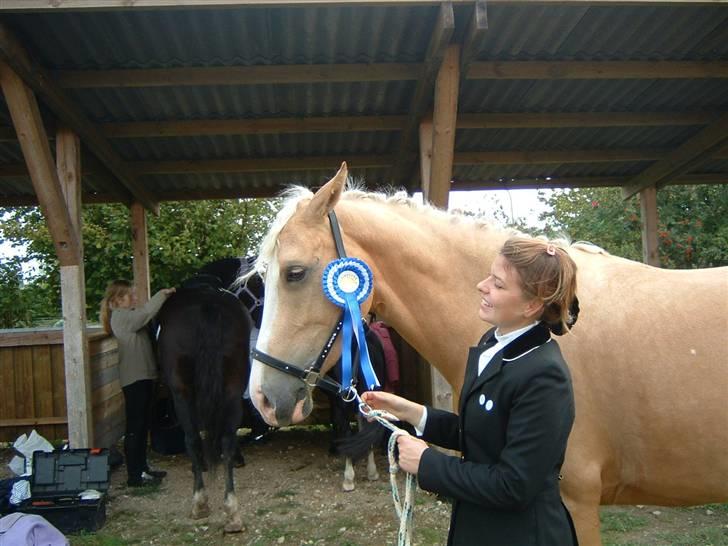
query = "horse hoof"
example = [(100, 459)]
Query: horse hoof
[(234, 527), (348, 487), (199, 513), (373, 477)]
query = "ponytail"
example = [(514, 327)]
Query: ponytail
[(114, 291), (548, 273)]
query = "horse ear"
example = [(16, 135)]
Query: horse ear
[(326, 198)]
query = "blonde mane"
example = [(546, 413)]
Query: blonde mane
[(353, 191)]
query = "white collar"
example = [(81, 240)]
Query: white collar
[(505, 339)]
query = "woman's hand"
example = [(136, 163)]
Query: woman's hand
[(401, 408), (410, 453), (168, 291)]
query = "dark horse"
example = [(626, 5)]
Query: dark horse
[(204, 353)]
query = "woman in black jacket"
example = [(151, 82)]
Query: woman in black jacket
[(515, 413)]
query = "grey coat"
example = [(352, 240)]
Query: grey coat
[(136, 357)]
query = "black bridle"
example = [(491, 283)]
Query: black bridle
[(312, 375)]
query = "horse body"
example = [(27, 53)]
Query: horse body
[(204, 347), (647, 356)]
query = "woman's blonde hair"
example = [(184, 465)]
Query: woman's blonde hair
[(115, 290), (548, 273)]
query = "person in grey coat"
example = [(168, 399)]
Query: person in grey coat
[(515, 413), (137, 371)]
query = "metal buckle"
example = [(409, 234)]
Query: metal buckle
[(349, 392), (312, 378)]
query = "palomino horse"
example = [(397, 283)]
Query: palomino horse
[(648, 356)]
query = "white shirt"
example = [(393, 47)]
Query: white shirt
[(483, 361)]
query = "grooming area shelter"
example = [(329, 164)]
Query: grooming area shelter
[(155, 100)]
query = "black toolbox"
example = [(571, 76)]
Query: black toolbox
[(59, 477)]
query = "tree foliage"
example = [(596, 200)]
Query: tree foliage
[(184, 237), (692, 223)]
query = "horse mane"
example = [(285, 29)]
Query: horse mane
[(293, 195)]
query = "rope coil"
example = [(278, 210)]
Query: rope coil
[(404, 508)]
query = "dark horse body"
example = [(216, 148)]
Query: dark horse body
[(204, 354)]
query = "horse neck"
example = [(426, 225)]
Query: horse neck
[(426, 267)]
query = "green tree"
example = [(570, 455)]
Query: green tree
[(184, 237), (692, 223)]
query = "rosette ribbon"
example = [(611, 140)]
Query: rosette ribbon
[(347, 283)]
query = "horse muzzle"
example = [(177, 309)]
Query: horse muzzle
[(281, 404)]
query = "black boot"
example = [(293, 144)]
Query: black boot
[(135, 463)]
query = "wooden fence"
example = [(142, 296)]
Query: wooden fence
[(33, 385)]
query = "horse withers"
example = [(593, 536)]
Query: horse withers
[(204, 354)]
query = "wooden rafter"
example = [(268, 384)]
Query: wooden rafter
[(596, 70), (37, 78), (477, 29), (685, 158), (439, 40), (289, 164), (237, 75), (328, 73), (79, 5), (26, 118)]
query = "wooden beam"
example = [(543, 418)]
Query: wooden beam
[(477, 29), (534, 157), (596, 70), (39, 161), (686, 157), (457, 185), (37, 78), (261, 164), (439, 40), (140, 252), (582, 119), (237, 75), (73, 300), (426, 156), (648, 212), (443, 123), (33, 422), (125, 5), (339, 124)]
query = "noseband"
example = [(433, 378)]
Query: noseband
[(312, 376)]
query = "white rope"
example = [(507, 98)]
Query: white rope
[(404, 509)]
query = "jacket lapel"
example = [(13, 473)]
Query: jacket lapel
[(471, 369)]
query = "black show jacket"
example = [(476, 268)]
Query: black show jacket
[(513, 423)]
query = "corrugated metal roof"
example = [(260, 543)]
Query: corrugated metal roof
[(169, 38)]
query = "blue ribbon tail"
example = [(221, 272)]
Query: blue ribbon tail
[(354, 315)]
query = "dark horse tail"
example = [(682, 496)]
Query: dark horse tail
[(209, 383)]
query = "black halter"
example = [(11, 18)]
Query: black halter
[(312, 375)]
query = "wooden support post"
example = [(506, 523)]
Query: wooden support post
[(426, 156), (33, 140), (648, 208), (73, 298), (444, 124), (140, 251)]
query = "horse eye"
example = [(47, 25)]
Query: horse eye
[(295, 274)]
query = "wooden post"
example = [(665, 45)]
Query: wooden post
[(73, 298), (648, 208), (140, 251), (444, 125), (426, 156)]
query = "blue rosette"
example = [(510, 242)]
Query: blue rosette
[(347, 283)]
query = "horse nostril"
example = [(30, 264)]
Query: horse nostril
[(267, 404)]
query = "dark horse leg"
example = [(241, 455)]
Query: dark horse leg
[(193, 443), (230, 450)]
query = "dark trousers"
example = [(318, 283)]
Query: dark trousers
[(138, 401)]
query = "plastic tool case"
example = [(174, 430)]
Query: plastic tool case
[(58, 480)]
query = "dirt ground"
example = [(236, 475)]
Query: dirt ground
[(290, 493)]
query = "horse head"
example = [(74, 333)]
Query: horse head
[(297, 317)]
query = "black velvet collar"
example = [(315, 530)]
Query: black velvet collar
[(538, 335)]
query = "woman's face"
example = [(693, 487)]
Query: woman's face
[(502, 301)]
